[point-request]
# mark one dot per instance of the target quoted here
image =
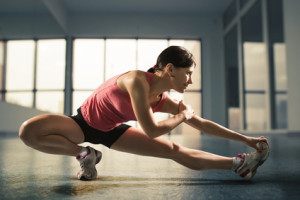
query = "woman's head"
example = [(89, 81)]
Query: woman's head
[(178, 56)]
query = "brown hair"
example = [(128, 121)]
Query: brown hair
[(178, 56)]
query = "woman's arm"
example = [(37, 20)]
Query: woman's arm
[(214, 129), (138, 89)]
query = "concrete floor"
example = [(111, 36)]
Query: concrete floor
[(28, 174)]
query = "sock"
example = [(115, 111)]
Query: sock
[(236, 163), (84, 151)]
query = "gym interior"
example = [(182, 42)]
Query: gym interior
[(54, 53)]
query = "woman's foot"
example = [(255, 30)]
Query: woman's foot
[(251, 161), (88, 158)]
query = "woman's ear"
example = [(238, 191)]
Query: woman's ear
[(170, 69)]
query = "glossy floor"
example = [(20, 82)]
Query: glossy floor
[(28, 174)]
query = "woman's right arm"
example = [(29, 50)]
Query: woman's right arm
[(138, 90)]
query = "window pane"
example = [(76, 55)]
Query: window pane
[(194, 47), (255, 66), (234, 118), (232, 70), (20, 98), (280, 67), (281, 111), (88, 63), (255, 112), (194, 100), (78, 98), (120, 57), (252, 24), (20, 61), (148, 51), (275, 20), (50, 101), (51, 56)]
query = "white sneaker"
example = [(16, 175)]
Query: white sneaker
[(251, 161), (87, 163)]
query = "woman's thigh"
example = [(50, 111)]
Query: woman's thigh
[(137, 142), (51, 124)]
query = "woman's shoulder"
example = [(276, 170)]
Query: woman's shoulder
[(136, 75), (132, 78)]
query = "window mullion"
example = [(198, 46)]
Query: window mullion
[(34, 74), (4, 70)]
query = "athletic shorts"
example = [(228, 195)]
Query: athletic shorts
[(96, 136)]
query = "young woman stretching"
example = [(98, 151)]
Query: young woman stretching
[(136, 95)]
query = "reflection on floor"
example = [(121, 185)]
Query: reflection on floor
[(28, 174)]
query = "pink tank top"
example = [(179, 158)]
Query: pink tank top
[(108, 106)]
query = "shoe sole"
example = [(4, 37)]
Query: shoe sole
[(98, 159)]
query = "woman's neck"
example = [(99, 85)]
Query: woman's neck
[(159, 85)]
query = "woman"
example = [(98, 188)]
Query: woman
[(136, 95)]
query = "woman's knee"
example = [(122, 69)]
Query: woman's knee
[(174, 150), (29, 132)]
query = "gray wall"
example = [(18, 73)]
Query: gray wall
[(292, 33), (12, 116)]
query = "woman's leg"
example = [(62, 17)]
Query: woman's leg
[(137, 142), (54, 134)]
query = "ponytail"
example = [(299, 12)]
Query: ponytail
[(152, 69)]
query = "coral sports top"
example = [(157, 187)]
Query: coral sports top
[(108, 106)]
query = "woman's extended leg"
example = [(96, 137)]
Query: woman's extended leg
[(54, 134), (137, 142)]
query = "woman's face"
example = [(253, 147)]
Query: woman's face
[(182, 77)]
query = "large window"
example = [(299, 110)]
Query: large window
[(35, 70), (88, 68), (20, 72), (232, 77), (256, 66), (278, 64), (255, 69), (96, 60), (50, 75), (35, 74)]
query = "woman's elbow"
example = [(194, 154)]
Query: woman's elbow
[(153, 131)]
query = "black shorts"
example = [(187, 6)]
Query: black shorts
[(96, 136)]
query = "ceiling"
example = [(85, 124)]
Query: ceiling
[(198, 7), (65, 10)]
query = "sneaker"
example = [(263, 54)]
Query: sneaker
[(87, 163), (251, 161)]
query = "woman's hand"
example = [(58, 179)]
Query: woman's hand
[(186, 110), (253, 141)]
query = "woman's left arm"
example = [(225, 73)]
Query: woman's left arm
[(211, 128)]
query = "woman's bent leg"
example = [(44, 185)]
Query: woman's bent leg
[(137, 142), (54, 134)]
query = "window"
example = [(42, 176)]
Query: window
[(35, 74), (88, 68), (259, 54), (120, 56), (232, 79), (50, 75), (255, 69), (278, 64), (148, 51), (20, 72), (96, 60)]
